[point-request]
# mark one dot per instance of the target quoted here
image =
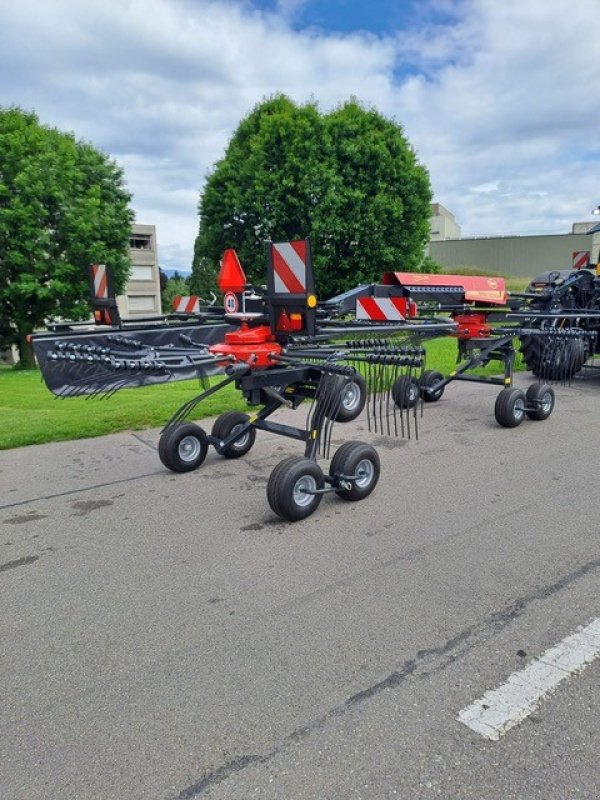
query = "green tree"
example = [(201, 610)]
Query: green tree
[(176, 285), (63, 206), (349, 179), (429, 264), (163, 279)]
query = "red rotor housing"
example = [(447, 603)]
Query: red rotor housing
[(471, 326), (255, 345)]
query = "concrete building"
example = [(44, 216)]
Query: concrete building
[(142, 293), (443, 224), (516, 256)]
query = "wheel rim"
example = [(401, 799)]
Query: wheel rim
[(302, 487), (413, 393), (519, 408), (189, 448), (243, 439), (365, 472), (546, 402), (351, 396)]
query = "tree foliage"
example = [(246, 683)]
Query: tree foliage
[(63, 206), (176, 285), (348, 179)]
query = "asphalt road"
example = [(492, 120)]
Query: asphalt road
[(166, 636)]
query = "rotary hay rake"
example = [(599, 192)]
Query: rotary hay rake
[(279, 348), (478, 306)]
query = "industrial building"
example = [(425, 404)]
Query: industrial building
[(517, 256), (142, 293)]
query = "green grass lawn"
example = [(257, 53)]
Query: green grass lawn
[(30, 414)]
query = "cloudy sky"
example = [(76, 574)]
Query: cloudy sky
[(500, 98)]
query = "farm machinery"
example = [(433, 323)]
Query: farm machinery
[(280, 347), (486, 331), (561, 300)]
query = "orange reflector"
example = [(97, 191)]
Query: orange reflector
[(232, 277)]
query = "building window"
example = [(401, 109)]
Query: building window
[(141, 302), (141, 273), (140, 241)]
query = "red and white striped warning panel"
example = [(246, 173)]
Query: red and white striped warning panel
[(186, 305), (581, 259), (289, 267), (381, 309), (100, 281)]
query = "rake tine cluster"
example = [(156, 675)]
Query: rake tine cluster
[(101, 371), (382, 362), (559, 352), (186, 409), (327, 402), (389, 377)]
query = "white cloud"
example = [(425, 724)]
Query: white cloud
[(500, 97), (511, 99)]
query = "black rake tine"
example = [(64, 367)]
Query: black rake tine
[(369, 390), (330, 386), (320, 405), (415, 410), (376, 379), (311, 408), (373, 395), (330, 397), (382, 384), (334, 395), (408, 408), (338, 406), (401, 410), (393, 402)]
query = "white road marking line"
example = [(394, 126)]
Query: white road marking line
[(501, 709)]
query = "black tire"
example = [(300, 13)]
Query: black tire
[(356, 458), (429, 378), (225, 425), (354, 397), (285, 485), (405, 392), (183, 448), (540, 399), (510, 408), (532, 349), (576, 355)]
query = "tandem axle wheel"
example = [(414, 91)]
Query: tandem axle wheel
[(513, 405), (297, 484), (183, 448)]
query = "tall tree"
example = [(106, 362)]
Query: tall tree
[(348, 179), (176, 285), (63, 205)]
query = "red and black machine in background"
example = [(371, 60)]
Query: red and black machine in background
[(280, 347), (487, 329)]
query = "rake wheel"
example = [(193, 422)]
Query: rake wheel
[(359, 461), (225, 425), (290, 487), (182, 448)]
